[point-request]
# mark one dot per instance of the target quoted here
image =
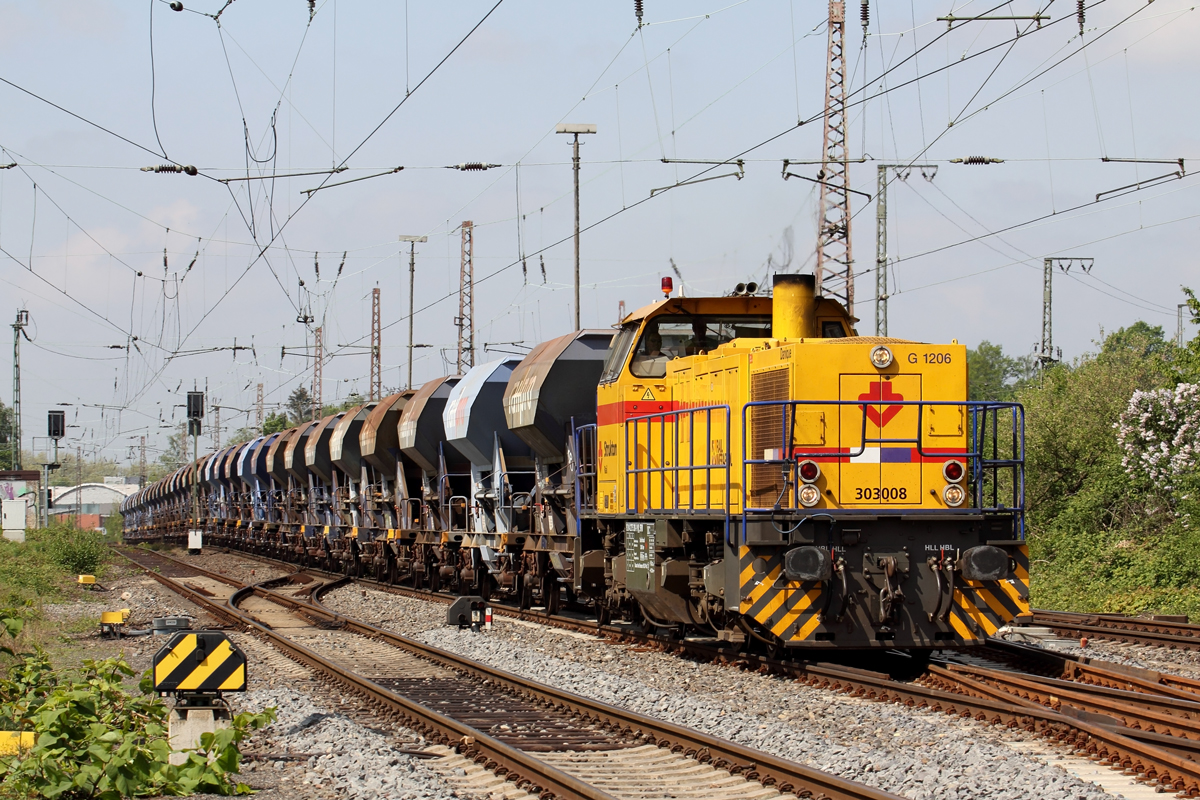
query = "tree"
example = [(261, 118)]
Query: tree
[(299, 405), (995, 376), (178, 450), (7, 423), (1189, 356), (1140, 338), (274, 423)]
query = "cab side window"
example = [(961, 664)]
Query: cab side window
[(832, 329)]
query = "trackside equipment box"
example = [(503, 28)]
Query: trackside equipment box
[(199, 662)]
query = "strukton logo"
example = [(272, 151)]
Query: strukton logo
[(881, 393)]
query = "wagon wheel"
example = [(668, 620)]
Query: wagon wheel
[(484, 584), (524, 592), (551, 593)]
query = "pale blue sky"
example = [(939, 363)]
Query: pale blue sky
[(698, 82)]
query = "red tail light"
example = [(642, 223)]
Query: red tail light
[(809, 471), (953, 471)]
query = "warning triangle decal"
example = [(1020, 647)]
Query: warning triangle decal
[(648, 395)]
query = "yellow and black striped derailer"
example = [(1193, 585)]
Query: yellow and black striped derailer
[(199, 662)]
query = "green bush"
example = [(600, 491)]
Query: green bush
[(1099, 538), (79, 552), (93, 739)]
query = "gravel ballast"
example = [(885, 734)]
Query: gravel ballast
[(916, 753), (344, 758)]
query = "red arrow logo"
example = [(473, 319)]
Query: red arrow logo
[(881, 393)]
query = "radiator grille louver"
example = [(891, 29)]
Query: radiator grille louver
[(767, 425)]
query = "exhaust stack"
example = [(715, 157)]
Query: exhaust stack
[(794, 308)]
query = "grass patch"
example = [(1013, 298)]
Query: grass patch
[(48, 561)]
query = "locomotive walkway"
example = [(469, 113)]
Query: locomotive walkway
[(543, 741)]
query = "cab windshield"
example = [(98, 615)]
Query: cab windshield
[(674, 336)]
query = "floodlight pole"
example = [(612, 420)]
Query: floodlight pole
[(412, 271), (576, 129)]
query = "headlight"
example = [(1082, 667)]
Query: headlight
[(881, 357), (954, 495), (809, 471), (953, 471), (809, 495)]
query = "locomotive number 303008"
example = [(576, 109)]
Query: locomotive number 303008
[(880, 493)]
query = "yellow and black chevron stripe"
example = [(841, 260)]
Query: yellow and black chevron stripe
[(981, 608), (203, 661), (789, 609)]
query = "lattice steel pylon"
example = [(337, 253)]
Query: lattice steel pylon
[(15, 439), (466, 301), (258, 409), (318, 357), (376, 334), (1047, 356), (835, 275), (142, 463)]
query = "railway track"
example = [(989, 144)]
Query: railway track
[(1138, 721), (1174, 635), (547, 742)]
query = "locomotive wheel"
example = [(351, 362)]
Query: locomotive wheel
[(524, 592), (418, 578), (603, 614)]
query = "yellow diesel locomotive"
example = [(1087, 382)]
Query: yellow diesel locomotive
[(778, 477)]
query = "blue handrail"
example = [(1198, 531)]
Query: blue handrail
[(633, 471)]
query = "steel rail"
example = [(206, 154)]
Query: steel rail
[(1170, 766), (526, 772), (754, 765), (1138, 711), (1184, 636), (1081, 669), (769, 770)]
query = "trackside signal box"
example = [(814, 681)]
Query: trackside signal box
[(199, 662)]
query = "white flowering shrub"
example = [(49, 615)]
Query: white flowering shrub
[(1159, 433)]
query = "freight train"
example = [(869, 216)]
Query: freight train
[(746, 468)]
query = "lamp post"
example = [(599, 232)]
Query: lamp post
[(575, 129), (412, 270)]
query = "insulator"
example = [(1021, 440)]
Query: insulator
[(865, 12), (977, 160), (176, 5), (1079, 9), (312, 9), (187, 170), (471, 165), (637, 10)]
